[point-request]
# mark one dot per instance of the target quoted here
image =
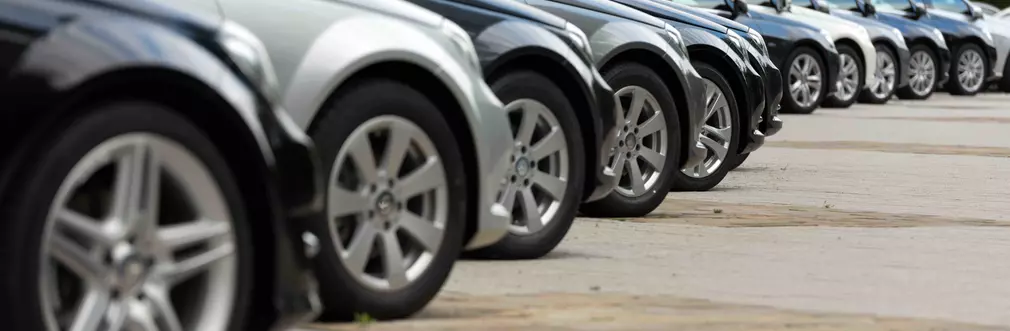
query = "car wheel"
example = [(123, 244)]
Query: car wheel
[(967, 73), (1004, 83), (850, 79), (543, 187), (738, 161), (396, 203), (719, 134), (886, 81), (129, 219), (923, 71), (649, 144), (805, 83)]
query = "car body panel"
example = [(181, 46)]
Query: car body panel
[(501, 32), (321, 47), (999, 35), (112, 39), (881, 33), (613, 29), (839, 29)]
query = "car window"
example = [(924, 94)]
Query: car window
[(896, 5), (702, 3), (837, 3), (956, 6)]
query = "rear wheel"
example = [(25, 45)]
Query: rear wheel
[(850, 78), (544, 185), (805, 83), (968, 73), (886, 82), (719, 134), (396, 205), (649, 144), (923, 71), (130, 219)]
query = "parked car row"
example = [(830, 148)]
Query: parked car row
[(251, 164)]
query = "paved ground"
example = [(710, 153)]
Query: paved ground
[(873, 218)]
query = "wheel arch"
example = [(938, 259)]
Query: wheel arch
[(718, 59), (855, 46)]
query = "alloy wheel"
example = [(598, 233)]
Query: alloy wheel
[(970, 70), (923, 73), (388, 202), (139, 236), (538, 177), (848, 78), (805, 80), (886, 76), (642, 145), (717, 132)]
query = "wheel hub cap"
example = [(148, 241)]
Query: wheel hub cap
[(641, 149), (522, 166)]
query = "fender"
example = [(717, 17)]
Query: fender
[(783, 35)]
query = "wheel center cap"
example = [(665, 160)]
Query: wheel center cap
[(522, 166), (131, 272), (630, 140), (385, 203)]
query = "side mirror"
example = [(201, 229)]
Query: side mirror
[(821, 7), (869, 9), (975, 12), (918, 10), (785, 5), (740, 7)]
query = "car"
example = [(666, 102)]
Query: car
[(806, 51), (1003, 14), (540, 67), (414, 143), (892, 52), (734, 92), (767, 121), (646, 62), (926, 47), (149, 179), (858, 56), (968, 42), (999, 32), (986, 8)]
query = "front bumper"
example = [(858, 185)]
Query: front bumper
[(945, 63), (904, 57), (605, 103), (833, 63), (695, 152), (757, 93), (771, 124), (493, 144), (994, 73)]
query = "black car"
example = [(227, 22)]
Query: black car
[(926, 47), (645, 60), (768, 122), (966, 41), (146, 171), (536, 62), (734, 92), (790, 43)]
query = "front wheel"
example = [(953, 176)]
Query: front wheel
[(129, 219), (967, 74), (850, 79), (886, 82), (544, 185), (396, 202), (923, 73), (806, 81), (719, 134), (648, 144)]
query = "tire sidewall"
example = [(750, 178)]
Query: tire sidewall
[(833, 100), (45, 173), (867, 95), (344, 295), (790, 105), (955, 82), (684, 182), (907, 92)]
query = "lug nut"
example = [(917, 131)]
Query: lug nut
[(526, 182)]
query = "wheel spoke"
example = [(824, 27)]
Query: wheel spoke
[(618, 164), (533, 218), (140, 318), (164, 312), (425, 231), (77, 259), (85, 227), (719, 149), (396, 148), (637, 182), (548, 145), (722, 133), (185, 235), (423, 179), (137, 188), (713, 102), (528, 122), (360, 248), (361, 153), (553, 185), (654, 124), (183, 270), (392, 254), (654, 159), (509, 196), (343, 202), (635, 109), (92, 311)]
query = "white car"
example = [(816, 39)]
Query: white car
[(858, 56)]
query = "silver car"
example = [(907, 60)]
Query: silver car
[(413, 140)]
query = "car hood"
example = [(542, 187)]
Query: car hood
[(708, 15), (616, 9), (400, 9), (835, 26), (517, 9), (661, 10)]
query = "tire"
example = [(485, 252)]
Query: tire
[(515, 90), (354, 114), (739, 161), (1004, 83), (882, 91), (789, 102), (954, 85), (626, 77), (837, 100), (704, 178), (86, 141), (910, 92)]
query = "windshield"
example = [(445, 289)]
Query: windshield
[(893, 5), (837, 4), (956, 6), (701, 3)]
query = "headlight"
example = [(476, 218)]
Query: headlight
[(986, 33), (579, 39), (250, 56), (759, 40), (736, 41), (675, 38), (939, 37), (462, 42), (898, 37), (826, 34)]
